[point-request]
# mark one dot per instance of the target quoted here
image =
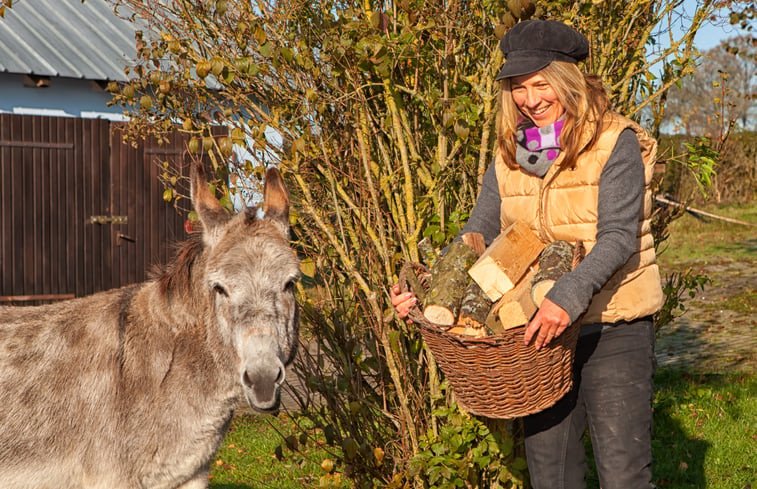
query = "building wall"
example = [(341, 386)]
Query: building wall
[(65, 97)]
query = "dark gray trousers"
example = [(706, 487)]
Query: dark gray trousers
[(612, 394)]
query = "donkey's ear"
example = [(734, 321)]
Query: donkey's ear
[(210, 211), (276, 199)]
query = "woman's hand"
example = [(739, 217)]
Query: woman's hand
[(402, 301), (548, 323)]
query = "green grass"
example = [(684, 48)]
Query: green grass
[(695, 241), (743, 303), (247, 457), (705, 437), (705, 431)]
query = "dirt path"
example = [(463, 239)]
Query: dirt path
[(714, 335)]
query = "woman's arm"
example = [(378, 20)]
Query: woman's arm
[(621, 194)]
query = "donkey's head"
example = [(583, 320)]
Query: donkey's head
[(250, 277)]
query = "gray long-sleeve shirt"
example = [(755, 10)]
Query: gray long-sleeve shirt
[(621, 193)]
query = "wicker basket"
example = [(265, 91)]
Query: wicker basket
[(498, 376)]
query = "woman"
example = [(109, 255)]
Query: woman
[(574, 170)]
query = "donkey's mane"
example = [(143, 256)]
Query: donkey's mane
[(176, 276)]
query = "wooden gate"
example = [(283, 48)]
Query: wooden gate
[(80, 211)]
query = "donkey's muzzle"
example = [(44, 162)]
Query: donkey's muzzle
[(262, 385)]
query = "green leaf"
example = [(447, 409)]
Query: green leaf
[(520, 463), (266, 49)]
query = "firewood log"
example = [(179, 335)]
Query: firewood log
[(557, 259), (427, 252), (474, 309), (448, 282), (515, 308), (475, 241), (506, 260)]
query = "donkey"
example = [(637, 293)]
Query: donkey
[(135, 387)]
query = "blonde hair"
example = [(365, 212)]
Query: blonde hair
[(585, 101)]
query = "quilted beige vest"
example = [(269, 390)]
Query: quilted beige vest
[(563, 206)]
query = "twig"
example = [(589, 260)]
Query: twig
[(659, 198)]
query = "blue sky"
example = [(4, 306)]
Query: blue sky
[(710, 35)]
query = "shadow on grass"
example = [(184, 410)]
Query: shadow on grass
[(678, 459)]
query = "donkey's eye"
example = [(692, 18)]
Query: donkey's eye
[(289, 286), (220, 290)]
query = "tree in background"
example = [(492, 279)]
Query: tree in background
[(712, 117), (722, 90), (381, 118)]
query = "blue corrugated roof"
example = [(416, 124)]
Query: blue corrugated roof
[(66, 38)]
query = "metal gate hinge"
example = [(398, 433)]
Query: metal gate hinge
[(108, 219)]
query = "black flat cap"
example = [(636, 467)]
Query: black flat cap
[(532, 44)]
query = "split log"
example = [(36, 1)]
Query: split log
[(448, 282), (471, 331), (506, 260), (515, 308), (557, 259)]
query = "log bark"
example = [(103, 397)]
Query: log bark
[(474, 308), (449, 279), (557, 259), (506, 260), (427, 252), (416, 287)]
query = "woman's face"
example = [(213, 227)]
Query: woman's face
[(536, 99)]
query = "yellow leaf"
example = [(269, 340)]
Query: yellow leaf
[(260, 35), (307, 266), (237, 135), (327, 465), (146, 102), (379, 454), (193, 145)]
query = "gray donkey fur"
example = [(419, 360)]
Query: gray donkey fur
[(135, 387)]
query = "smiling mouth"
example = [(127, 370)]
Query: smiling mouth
[(540, 111)]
